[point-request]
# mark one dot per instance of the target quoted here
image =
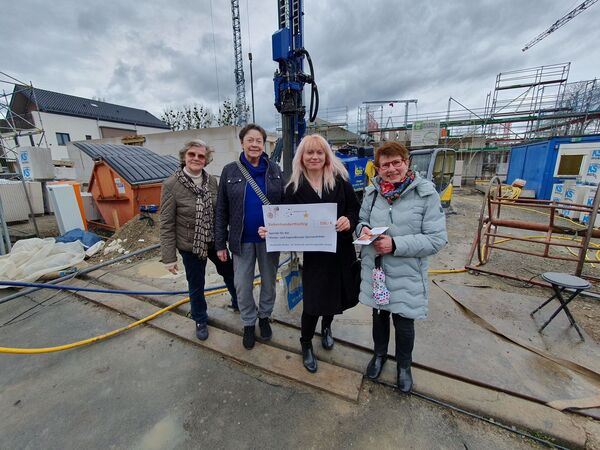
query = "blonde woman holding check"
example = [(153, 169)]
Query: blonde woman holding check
[(318, 176)]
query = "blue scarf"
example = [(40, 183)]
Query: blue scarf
[(253, 216)]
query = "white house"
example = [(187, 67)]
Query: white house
[(66, 118)]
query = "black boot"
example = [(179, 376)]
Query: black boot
[(308, 357), (381, 338), (249, 338), (405, 380), (327, 339), (376, 366)]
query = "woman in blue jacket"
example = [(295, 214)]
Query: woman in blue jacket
[(394, 267), (239, 215)]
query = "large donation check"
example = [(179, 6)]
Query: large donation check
[(301, 228)]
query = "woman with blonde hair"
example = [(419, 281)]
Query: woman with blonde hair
[(318, 176)]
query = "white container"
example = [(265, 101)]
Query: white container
[(574, 194), (584, 217), (65, 206), (558, 192), (14, 201), (592, 175), (89, 207), (36, 163)]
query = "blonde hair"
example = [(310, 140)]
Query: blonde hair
[(332, 168)]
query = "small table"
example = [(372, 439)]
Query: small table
[(560, 282)]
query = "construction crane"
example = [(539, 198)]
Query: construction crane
[(240, 82), (289, 79), (560, 22)]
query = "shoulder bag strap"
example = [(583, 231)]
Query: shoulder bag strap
[(263, 198)]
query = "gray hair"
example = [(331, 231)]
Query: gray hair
[(196, 143)]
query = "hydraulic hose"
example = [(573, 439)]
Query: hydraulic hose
[(32, 351), (314, 91)]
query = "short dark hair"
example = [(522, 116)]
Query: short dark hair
[(391, 148), (253, 126)]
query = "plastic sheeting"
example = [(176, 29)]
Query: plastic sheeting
[(29, 259)]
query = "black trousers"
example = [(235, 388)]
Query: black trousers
[(308, 325), (404, 333)]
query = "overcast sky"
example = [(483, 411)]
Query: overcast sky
[(154, 54)]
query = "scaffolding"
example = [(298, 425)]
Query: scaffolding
[(14, 125), (525, 104)]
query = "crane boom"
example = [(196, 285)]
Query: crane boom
[(560, 22), (240, 82)]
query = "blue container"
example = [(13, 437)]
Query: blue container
[(535, 163), (356, 170)]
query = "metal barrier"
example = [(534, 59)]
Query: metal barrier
[(490, 221)]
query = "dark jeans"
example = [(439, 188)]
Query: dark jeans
[(404, 333), (195, 271), (225, 269), (308, 325)]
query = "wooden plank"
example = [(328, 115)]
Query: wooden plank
[(330, 378)]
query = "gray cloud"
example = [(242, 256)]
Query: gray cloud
[(159, 54)]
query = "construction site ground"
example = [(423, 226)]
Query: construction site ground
[(157, 386)]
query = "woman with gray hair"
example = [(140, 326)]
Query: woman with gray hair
[(187, 220)]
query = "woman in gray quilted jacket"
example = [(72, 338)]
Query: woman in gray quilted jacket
[(394, 266)]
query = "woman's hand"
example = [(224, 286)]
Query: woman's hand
[(365, 233), (222, 255), (172, 267), (262, 232), (383, 245), (342, 224)]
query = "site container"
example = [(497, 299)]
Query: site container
[(542, 164), (124, 178)]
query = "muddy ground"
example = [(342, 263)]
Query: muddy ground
[(462, 227)]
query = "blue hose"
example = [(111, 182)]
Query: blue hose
[(104, 291), (107, 291)]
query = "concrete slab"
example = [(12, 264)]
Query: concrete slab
[(146, 389), (503, 407), (336, 380)]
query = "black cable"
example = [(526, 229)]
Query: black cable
[(314, 91)]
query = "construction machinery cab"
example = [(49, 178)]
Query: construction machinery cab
[(436, 165)]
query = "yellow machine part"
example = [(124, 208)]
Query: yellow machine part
[(446, 195)]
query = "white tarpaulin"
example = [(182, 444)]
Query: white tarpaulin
[(29, 259)]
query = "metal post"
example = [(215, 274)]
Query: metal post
[(588, 235), (251, 86), (5, 241), (287, 131), (447, 121)]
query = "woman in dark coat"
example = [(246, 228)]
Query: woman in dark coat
[(318, 176)]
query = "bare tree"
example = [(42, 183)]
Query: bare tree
[(188, 117)]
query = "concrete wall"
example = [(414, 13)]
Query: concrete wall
[(224, 140), (77, 128)]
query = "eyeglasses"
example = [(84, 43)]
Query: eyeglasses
[(254, 141), (195, 155), (396, 164)]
